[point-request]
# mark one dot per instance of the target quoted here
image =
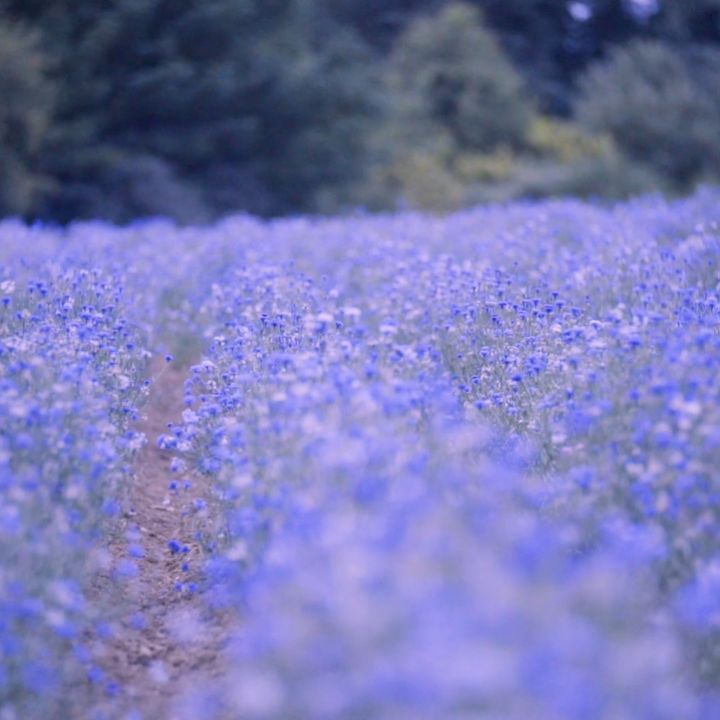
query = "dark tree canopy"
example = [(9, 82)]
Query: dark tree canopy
[(232, 103), (26, 98), (457, 80), (196, 108), (661, 105)]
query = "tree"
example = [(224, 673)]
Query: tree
[(661, 105), (325, 101), (231, 105), (378, 22), (454, 77), (25, 108), (541, 37), (688, 21), (175, 86), (451, 92)]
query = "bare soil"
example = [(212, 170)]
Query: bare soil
[(166, 654)]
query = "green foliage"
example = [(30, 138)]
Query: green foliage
[(559, 159), (565, 141), (567, 160), (491, 167), (378, 22), (206, 107), (455, 103), (325, 101), (661, 106), (195, 109), (455, 79), (689, 21), (609, 176), (544, 44), (125, 187), (25, 106), (423, 179), (172, 88)]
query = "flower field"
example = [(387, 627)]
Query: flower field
[(421, 468)]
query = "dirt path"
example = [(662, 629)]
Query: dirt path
[(168, 651)]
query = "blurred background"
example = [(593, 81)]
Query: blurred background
[(120, 109)]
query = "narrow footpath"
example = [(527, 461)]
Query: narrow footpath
[(168, 653)]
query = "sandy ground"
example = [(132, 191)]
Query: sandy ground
[(167, 652)]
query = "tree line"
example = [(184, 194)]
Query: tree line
[(119, 109)]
